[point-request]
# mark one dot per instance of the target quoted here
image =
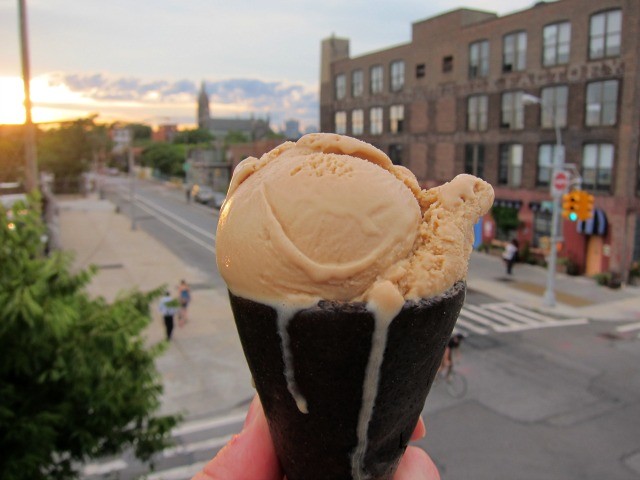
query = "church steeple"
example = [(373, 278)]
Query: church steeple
[(203, 108)]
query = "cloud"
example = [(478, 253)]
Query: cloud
[(228, 97)]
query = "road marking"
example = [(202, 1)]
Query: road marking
[(206, 424), (177, 218), (208, 444), (470, 326), (506, 317), (178, 473), (628, 327), (104, 468), (179, 230)]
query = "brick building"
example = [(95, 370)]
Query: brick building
[(478, 93)]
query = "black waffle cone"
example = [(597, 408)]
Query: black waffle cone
[(330, 346)]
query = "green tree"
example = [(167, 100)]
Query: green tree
[(140, 131), (235, 137), (194, 136), (11, 153), (166, 158), (68, 151), (76, 379)]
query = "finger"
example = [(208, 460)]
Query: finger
[(416, 465), (420, 431), (248, 455)]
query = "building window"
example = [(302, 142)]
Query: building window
[(357, 83), (479, 59), (357, 122), (602, 103), (341, 86), (541, 227), (554, 106), (396, 118), (375, 121), (514, 52), (421, 70), (397, 75), (341, 122), (447, 64), (556, 40), (377, 82), (510, 165), (512, 112), (477, 113), (546, 155), (597, 166), (605, 34), (474, 159), (395, 153)]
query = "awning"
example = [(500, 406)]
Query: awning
[(596, 225), (502, 202)]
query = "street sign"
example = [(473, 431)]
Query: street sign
[(560, 182)]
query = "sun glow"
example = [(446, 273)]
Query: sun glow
[(50, 101)]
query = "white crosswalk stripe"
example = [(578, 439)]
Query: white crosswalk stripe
[(507, 317)]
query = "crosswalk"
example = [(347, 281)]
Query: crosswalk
[(505, 317), (196, 442)]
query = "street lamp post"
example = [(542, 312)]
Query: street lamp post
[(549, 298)]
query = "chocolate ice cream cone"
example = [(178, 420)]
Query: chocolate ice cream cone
[(315, 370)]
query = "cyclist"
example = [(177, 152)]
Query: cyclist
[(447, 360)]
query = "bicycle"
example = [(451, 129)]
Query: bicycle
[(456, 383)]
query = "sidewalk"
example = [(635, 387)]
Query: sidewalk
[(575, 296), (204, 369)]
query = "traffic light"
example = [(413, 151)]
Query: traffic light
[(570, 205), (585, 206)]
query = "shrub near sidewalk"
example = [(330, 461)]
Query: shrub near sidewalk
[(76, 380)]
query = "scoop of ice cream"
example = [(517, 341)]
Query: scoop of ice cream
[(312, 220), (330, 217)]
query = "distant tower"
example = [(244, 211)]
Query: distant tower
[(203, 108), (331, 50)]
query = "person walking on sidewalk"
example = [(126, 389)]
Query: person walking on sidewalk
[(510, 255), (168, 311), (184, 293)]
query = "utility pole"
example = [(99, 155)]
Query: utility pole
[(31, 167)]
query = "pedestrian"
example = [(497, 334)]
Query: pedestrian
[(168, 311), (510, 255), (184, 294), (188, 194)]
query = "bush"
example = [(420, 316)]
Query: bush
[(76, 380)]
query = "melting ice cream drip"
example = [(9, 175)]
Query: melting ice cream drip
[(284, 317), (370, 388)]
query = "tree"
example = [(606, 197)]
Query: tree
[(234, 137), (68, 151), (76, 379), (194, 136), (140, 131), (165, 157)]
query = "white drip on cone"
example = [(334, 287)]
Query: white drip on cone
[(370, 387), (284, 317)]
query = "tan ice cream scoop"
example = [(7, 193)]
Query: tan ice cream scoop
[(330, 217)]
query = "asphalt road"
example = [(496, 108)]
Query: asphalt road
[(540, 403)]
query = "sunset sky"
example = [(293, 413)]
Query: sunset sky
[(144, 60)]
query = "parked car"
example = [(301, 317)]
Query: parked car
[(208, 196), (203, 194)]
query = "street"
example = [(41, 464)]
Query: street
[(550, 394)]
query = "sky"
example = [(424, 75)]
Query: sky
[(144, 60)]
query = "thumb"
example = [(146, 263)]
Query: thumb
[(416, 465), (250, 455)]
